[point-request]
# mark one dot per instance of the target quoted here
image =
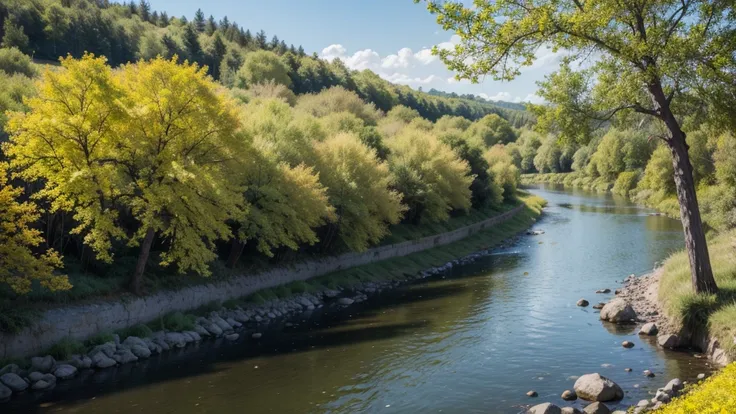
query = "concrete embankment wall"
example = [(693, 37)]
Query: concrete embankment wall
[(83, 321)]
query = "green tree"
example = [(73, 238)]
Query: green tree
[(56, 22), (338, 99), (651, 54), (13, 61), (199, 22), (262, 66), (491, 130), (14, 36)]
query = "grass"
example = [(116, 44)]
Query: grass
[(64, 349), (716, 312), (99, 339), (140, 330), (715, 395), (175, 321), (397, 268)]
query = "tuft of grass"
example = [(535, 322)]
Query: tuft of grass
[(215, 305), (177, 322), (140, 330), (14, 319), (713, 396), (717, 312), (64, 349), (232, 303)]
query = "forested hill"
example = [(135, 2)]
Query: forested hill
[(235, 55)]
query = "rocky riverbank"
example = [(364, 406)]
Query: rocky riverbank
[(247, 323)]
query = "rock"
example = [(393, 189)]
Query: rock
[(628, 369), (5, 393), (10, 368), (175, 339), (43, 364), (594, 387), (232, 322), (65, 371), (108, 349), (606, 290), (596, 408), (141, 351), (201, 331), (100, 360), (643, 404), (345, 301), (627, 344), (124, 356), (211, 327), (532, 394), (35, 376), (161, 343), (661, 396), (617, 292), (256, 335), (546, 408), (80, 362), (674, 386), (618, 311), (583, 303), (701, 376), (648, 329), (232, 337), (648, 373), (599, 305), (571, 410), (41, 385), (134, 340), (14, 382), (329, 293), (669, 341), (194, 335), (221, 323), (569, 395)]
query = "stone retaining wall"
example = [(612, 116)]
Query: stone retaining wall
[(83, 321)]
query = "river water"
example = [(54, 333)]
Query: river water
[(473, 342)]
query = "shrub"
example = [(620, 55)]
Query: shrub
[(64, 349), (626, 182), (14, 61)]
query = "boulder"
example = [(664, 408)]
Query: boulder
[(532, 394), (627, 344), (232, 322), (175, 340), (583, 303), (661, 396), (12, 368), (65, 371), (100, 360), (124, 356), (345, 301), (108, 349), (14, 382), (199, 329), (569, 395), (546, 408), (648, 373), (571, 410), (141, 351), (221, 323), (43, 364), (618, 311), (674, 386), (232, 337), (195, 335), (648, 329), (35, 376), (41, 385), (596, 408), (595, 387), (599, 305), (5, 393), (134, 340), (668, 341), (80, 362), (329, 293)]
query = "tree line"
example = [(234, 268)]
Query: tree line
[(132, 31), (156, 160)]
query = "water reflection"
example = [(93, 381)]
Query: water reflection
[(474, 341)]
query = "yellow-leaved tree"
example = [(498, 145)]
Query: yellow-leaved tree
[(430, 175), (175, 150), (19, 266), (359, 188), (148, 146)]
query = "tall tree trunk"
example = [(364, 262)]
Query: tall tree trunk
[(701, 273), (236, 249), (140, 267)]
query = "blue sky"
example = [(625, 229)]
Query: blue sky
[(390, 37)]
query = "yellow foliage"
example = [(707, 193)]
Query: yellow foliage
[(433, 179), (359, 188), (713, 396), (19, 267)]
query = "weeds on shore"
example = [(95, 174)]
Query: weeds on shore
[(712, 396)]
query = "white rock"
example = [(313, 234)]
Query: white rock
[(619, 311), (649, 329), (595, 387), (546, 408)]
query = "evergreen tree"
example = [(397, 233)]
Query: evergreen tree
[(14, 36), (261, 40), (199, 22), (144, 10), (210, 26)]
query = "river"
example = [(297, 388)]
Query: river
[(474, 341)]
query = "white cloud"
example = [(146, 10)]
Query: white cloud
[(408, 80)]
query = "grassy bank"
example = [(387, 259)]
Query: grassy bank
[(19, 312), (717, 312), (712, 396)]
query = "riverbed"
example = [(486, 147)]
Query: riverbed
[(474, 340)]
